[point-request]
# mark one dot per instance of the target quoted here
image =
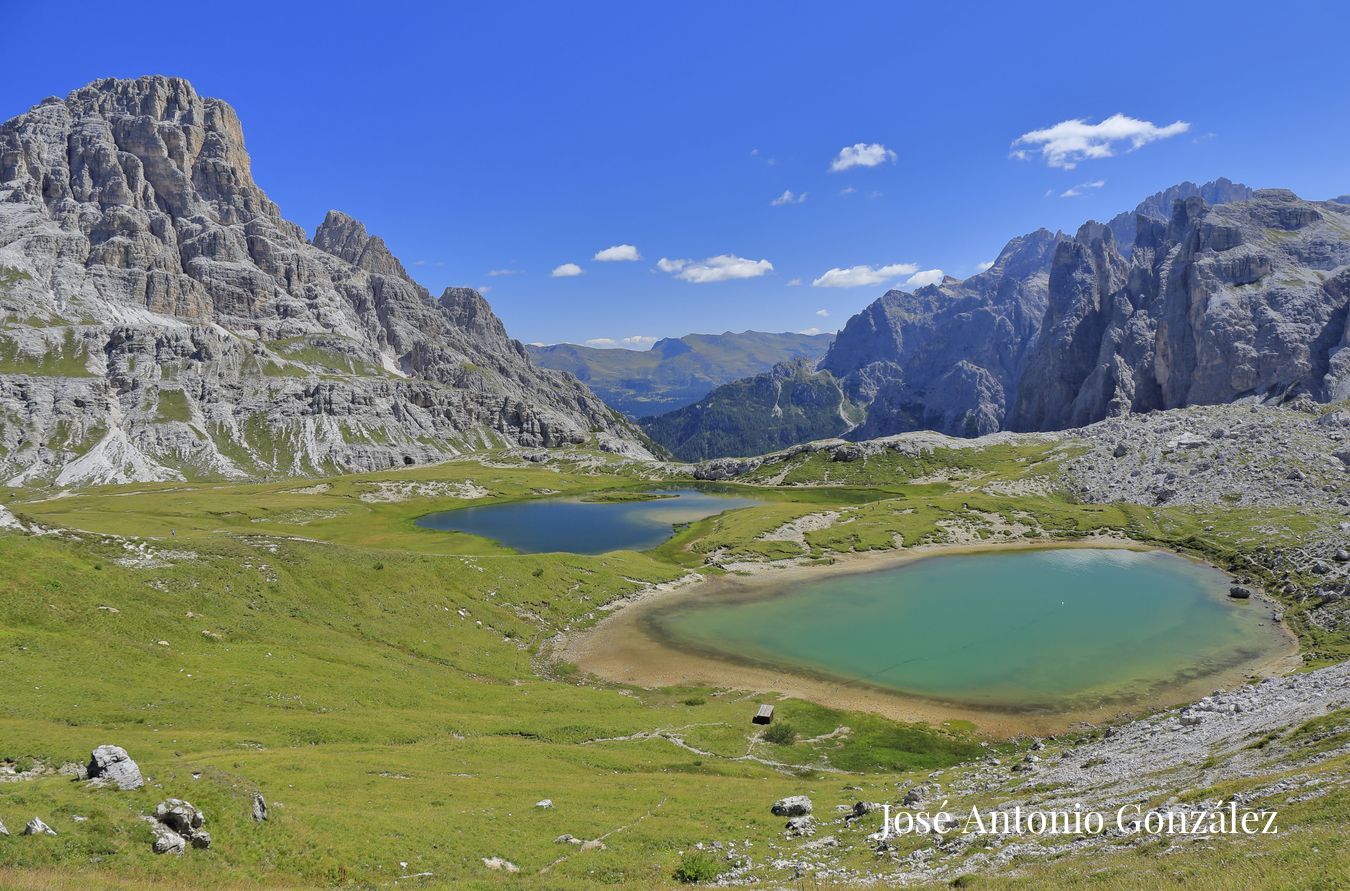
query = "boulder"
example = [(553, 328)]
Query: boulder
[(3, 830), (37, 827), (167, 841), (259, 807), (1238, 592), (1186, 441), (860, 809), (180, 816), (114, 765), (792, 806), (501, 864), (182, 820)]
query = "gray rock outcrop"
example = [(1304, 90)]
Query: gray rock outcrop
[(792, 806), (947, 357), (1158, 206), (259, 809), (37, 827), (166, 841), (180, 820), (162, 319), (113, 764), (1238, 301)]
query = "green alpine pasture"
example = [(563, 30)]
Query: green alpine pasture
[(388, 690)]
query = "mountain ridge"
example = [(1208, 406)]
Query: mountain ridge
[(1255, 283), (677, 371), (162, 318)]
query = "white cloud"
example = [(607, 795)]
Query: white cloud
[(794, 282), (567, 270), (924, 278), (823, 313), (986, 265), (496, 272), (723, 267), (617, 253), (788, 197), (602, 342), (538, 343), (809, 331), (856, 276), (639, 340), (861, 155), (847, 190), (1067, 143), (1082, 188), (483, 289)]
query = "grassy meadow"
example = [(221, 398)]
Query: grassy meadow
[(383, 685)]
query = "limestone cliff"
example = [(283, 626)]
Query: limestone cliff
[(1238, 301), (161, 318)]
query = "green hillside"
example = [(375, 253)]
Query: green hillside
[(789, 405), (389, 689)]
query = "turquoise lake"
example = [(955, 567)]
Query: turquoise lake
[(1055, 629), (549, 525)]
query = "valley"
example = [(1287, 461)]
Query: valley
[(311, 578), (205, 626)]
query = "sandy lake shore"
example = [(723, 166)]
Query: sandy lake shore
[(621, 648)]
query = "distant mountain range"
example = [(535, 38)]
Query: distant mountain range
[(677, 371), (792, 403), (1205, 294)]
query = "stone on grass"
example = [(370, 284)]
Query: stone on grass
[(37, 827), (792, 806), (182, 819), (500, 863), (113, 764), (179, 815), (259, 807), (167, 841)]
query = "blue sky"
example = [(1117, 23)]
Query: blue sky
[(520, 137)]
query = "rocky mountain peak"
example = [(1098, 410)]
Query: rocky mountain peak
[(469, 311), (345, 237), (164, 319), (1245, 297), (1159, 205)]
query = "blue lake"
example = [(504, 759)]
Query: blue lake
[(547, 525), (1055, 629)]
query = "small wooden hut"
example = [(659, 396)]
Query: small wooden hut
[(764, 715)]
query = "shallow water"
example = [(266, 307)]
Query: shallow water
[(1055, 629), (584, 527)]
